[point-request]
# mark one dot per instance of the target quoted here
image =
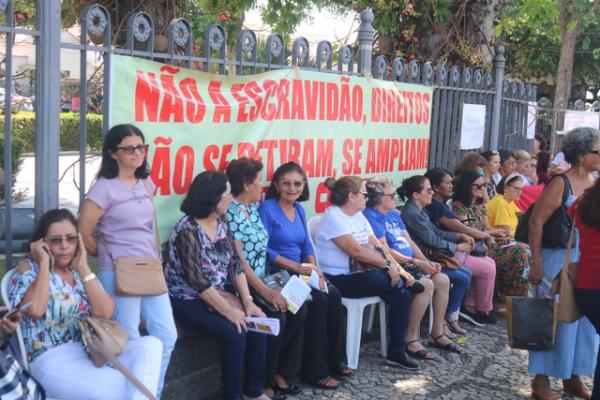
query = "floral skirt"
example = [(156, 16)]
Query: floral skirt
[(511, 261)]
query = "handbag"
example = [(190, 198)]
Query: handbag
[(444, 259), (480, 249), (555, 233), (275, 281), (15, 381), (139, 276), (563, 284), (359, 266), (531, 322), (104, 340)]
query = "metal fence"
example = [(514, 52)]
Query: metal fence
[(506, 102)]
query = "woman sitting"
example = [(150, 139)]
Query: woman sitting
[(290, 248), (489, 171), (502, 211), (389, 228), (511, 258), (284, 351), (479, 301), (508, 165), (63, 290), (433, 240), (344, 234), (203, 272)]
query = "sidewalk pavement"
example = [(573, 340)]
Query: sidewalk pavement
[(489, 369)]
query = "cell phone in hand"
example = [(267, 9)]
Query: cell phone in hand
[(51, 257), (11, 313)]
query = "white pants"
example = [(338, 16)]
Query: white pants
[(66, 371)]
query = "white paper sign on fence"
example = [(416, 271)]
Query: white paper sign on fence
[(531, 119), (472, 127), (581, 119)]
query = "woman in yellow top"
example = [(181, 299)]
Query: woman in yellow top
[(502, 211)]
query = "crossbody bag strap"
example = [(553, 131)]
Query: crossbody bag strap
[(155, 219), (122, 369), (569, 246)]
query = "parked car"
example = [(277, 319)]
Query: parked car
[(18, 102)]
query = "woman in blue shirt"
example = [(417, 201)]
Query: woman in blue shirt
[(289, 248), (389, 228)]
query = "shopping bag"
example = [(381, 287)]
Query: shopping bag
[(531, 322)]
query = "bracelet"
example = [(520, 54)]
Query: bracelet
[(88, 277)]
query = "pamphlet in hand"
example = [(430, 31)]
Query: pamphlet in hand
[(295, 292), (313, 281), (509, 244), (269, 326)]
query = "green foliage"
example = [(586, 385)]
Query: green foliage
[(18, 146), (24, 130)]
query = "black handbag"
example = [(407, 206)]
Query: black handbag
[(480, 249), (274, 281), (531, 322), (556, 230)]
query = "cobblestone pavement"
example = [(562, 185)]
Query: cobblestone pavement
[(489, 369)]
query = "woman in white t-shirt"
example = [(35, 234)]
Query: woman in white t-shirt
[(344, 234)]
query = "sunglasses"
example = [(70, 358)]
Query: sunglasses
[(596, 152), (132, 149), (58, 240), (296, 184), (478, 186)]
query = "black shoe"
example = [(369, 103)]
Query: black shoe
[(490, 318), (402, 361), (472, 318)]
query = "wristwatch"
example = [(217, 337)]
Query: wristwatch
[(388, 265)]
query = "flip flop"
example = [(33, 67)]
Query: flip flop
[(422, 354), (343, 372), (327, 383)]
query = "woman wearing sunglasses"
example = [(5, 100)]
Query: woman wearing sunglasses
[(290, 248), (511, 258), (119, 206), (388, 226), (63, 290)]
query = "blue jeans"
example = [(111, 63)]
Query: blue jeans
[(378, 283), (460, 281), (155, 310), (242, 354)]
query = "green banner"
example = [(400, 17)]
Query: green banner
[(332, 125)]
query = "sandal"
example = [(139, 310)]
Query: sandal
[(292, 390), (343, 372), (423, 354), (447, 329), (454, 327), (327, 383), (451, 346)]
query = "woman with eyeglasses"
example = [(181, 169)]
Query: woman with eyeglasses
[(431, 239), (502, 211), (575, 345), (208, 287), (478, 304), (489, 171), (290, 248), (511, 258), (347, 249), (63, 290), (119, 208), (388, 226), (284, 351)]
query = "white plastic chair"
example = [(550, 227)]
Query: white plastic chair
[(355, 308), (4, 292)]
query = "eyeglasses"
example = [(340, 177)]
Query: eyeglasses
[(390, 195), (428, 190), (363, 192), (58, 240), (132, 149), (518, 189), (596, 152), (478, 186), (297, 184)]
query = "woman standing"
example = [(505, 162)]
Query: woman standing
[(418, 194), (576, 344), (205, 277), (119, 205), (284, 351), (63, 290), (491, 169), (511, 258), (587, 285), (290, 248), (389, 228), (345, 233)]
